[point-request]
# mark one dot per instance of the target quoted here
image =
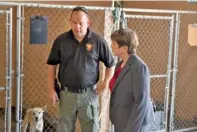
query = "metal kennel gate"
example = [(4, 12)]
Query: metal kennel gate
[(35, 55), (6, 69), (155, 48), (183, 104), (160, 77)]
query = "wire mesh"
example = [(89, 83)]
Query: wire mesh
[(153, 48), (35, 92), (185, 97), (2, 69), (153, 42)]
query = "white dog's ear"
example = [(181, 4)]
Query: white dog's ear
[(44, 108)]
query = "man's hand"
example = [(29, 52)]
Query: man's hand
[(53, 98), (101, 86)]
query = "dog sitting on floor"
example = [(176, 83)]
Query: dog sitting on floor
[(34, 117)]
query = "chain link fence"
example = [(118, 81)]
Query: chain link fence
[(35, 92), (153, 48), (185, 109), (154, 37), (5, 69)]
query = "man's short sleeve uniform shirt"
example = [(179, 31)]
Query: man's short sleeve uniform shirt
[(79, 62)]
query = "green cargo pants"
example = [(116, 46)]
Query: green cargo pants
[(81, 105)]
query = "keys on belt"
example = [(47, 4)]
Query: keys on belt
[(73, 90)]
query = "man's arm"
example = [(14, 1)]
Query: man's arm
[(108, 74), (105, 83), (51, 77), (105, 56)]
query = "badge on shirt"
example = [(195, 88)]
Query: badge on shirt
[(89, 46)]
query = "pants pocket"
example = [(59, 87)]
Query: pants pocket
[(94, 114)]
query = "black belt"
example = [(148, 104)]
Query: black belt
[(74, 90)]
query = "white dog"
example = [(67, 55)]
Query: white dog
[(34, 117)]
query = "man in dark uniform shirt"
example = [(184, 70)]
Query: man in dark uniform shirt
[(78, 52)]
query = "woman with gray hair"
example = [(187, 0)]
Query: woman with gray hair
[(131, 109)]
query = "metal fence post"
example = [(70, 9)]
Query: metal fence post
[(175, 58), (168, 78), (18, 74)]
